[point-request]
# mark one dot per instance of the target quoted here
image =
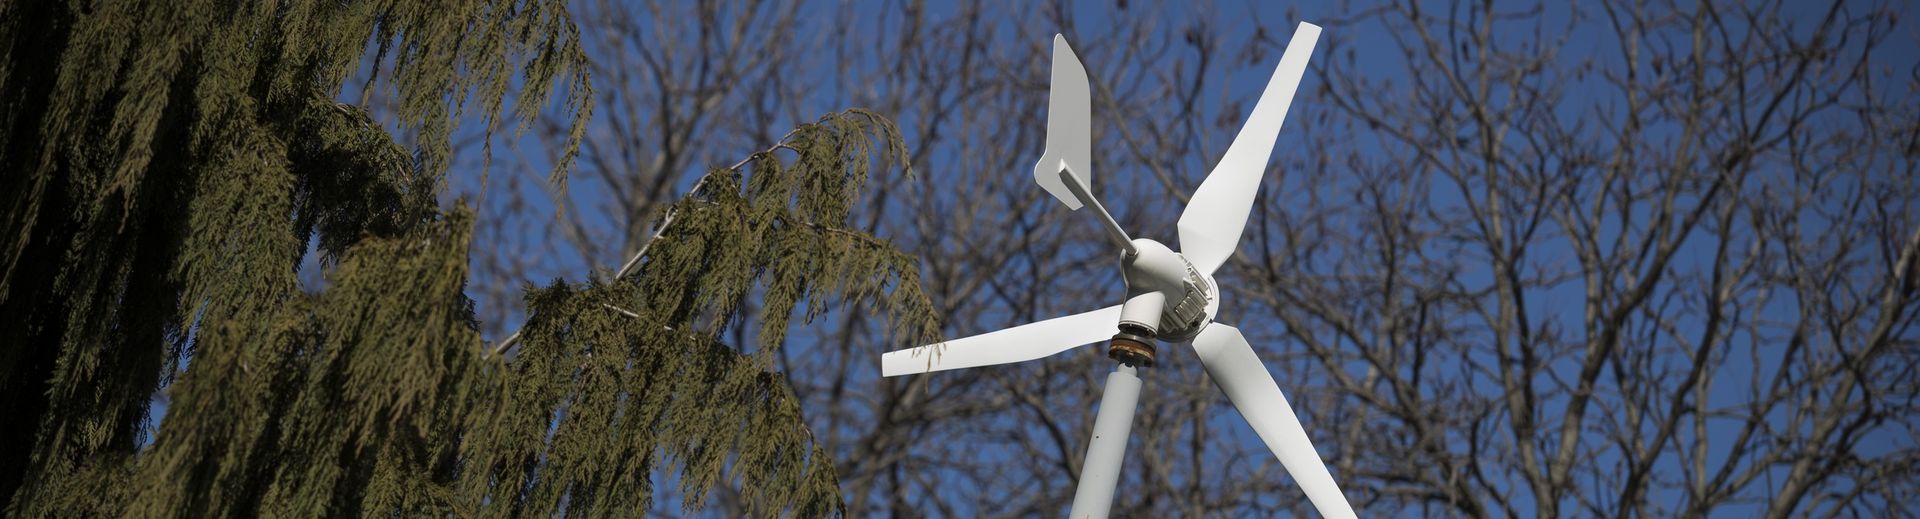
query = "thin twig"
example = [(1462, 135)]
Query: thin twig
[(665, 222), (625, 312)]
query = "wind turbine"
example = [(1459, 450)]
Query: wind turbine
[(1171, 296)]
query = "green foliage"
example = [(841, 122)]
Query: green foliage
[(616, 369), (166, 163), (164, 168)]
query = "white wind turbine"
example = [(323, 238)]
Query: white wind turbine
[(1171, 296)]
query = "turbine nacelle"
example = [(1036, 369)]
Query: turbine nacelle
[(1168, 298)]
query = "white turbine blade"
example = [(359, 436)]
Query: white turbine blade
[(1016, 344), (1232, 365), (1069, 127), (1211, 225)]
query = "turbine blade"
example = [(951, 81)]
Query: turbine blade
[(1016, 344), (1069, 127), (1233, 366), (1210, 227)]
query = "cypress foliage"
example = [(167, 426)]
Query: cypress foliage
[(164, 166), (616, 369)]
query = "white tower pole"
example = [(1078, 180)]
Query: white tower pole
[(1101, 471)]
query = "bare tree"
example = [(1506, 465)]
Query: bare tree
[(1638, 259), (1626, 259)]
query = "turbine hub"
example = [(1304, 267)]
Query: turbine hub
[(1167, 297)]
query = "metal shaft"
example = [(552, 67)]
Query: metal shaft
[(1101, 472), (1107, 222)]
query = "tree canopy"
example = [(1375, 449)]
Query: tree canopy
[(167, 167)]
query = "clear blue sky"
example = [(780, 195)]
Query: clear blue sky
[(1374, 47), (1371, 42)]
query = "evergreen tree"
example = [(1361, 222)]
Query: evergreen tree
[(164, 166)]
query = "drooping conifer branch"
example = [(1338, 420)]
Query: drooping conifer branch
[(666, 221), (768, 229), (168, 165), (177, 160)]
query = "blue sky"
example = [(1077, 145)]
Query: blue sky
[(520, 163), (1372, 44)]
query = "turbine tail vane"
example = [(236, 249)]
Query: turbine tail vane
[(1069, 128)]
